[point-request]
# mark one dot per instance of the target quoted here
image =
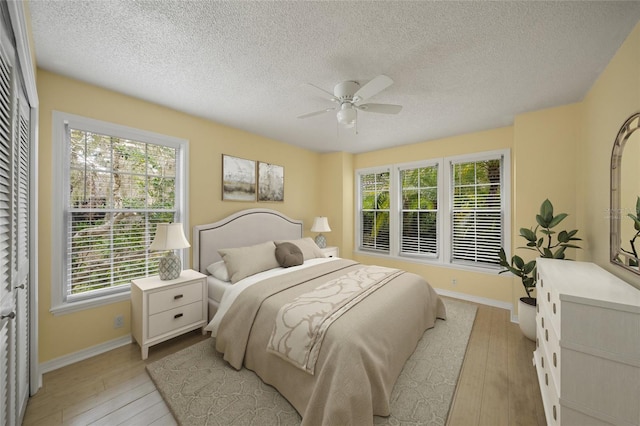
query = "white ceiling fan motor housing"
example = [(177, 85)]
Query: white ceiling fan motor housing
[(345, 90)]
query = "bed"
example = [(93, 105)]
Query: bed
[(337, 365)]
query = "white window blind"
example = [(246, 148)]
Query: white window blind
[(477, 211), (120, 189), (419, 211), (374, 211)]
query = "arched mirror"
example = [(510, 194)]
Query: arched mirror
[(625, 196)]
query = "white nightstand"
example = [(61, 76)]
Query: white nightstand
[(331, 251), (161, 310)]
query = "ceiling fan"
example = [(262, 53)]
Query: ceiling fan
[(348, 96)]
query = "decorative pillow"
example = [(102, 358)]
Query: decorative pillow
[(307, 246), (288, 255), (242, 262), (219, 270)]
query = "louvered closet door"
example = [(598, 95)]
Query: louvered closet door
[(8, 356), (21, 251)]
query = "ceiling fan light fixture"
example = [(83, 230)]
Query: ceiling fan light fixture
[(347, 115)]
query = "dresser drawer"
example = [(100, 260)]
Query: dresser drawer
[(549, 301), (174, 297), (173, 319), (549, 393)]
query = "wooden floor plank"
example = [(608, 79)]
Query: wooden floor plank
[(123, 414), (112, 405), (467, 401), (109, 393), (150, 415), (495, 404)]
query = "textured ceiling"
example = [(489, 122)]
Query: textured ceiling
[(458, 67)]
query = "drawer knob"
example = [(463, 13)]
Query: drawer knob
[(176, 316), (546, 335), (554, 308), (546, 379), (542, 320), (541, 283), (548, 297), (555, 415), (542, 359), (555, 360), (537, 342), (178, 296)]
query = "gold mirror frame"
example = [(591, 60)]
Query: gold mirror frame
[(618, 255)]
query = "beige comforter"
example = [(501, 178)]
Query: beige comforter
[(362, 354)]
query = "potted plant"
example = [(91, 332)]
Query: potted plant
[(547, 247)]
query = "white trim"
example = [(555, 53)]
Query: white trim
[(480, 300), (23, 48), (92, 351), (81, 305), (59, 304)]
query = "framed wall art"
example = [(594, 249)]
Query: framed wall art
[(270, 182), (238, 179)]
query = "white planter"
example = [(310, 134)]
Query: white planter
[(527, 319)]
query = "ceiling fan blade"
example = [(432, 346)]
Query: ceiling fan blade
[(311, 114), (380, 108), (372, 88), (320, 91)]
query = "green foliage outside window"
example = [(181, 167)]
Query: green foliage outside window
[(119, 191)]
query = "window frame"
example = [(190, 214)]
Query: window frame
[(412, 166), (60, 201), (445, 204), (359, 226)]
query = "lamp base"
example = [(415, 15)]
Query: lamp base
[(321, 241), (169, 267)]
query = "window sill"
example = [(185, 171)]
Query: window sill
[(431, 262), (81, 305)]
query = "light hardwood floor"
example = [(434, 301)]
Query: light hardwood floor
[(497, 384)]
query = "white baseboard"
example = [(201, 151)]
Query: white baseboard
[(480, 300), (65, 360)]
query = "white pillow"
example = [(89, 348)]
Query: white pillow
[(242, 262), (219, 270)]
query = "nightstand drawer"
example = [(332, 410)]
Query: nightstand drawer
[(331, 251), (173, 319), (174, 297)]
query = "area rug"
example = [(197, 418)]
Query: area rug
[(201, 389)]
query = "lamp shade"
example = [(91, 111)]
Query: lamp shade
[(320, 224), (169, 236), (347, 115)]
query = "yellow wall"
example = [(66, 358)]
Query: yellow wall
[(612, 99), (335, 189), (65, 334)]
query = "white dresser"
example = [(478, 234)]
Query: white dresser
[(587, 345)]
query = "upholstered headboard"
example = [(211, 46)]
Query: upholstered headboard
[(244, 228)]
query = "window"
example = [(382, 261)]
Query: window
[(374, 211), (477, 211), (453, 214), (419, 211), (119, 184)]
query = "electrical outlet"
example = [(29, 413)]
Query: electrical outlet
[(454, 282), (118, 321)]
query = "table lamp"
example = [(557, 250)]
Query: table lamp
[(320, 224), (169, 236)]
